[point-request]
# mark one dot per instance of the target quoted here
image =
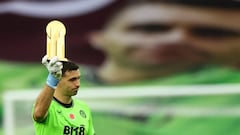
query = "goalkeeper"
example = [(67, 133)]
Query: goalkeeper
[(55, 112)]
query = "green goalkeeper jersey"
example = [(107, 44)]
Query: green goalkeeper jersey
[(62, 120)]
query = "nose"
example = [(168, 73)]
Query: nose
[(176, 36), (179, 35), (77, 83)]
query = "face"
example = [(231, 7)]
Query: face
[(70, 82), (158, 35)]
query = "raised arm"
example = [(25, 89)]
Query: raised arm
[(44, 99)]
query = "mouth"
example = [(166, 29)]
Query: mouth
[(170, 54), (75, 90)]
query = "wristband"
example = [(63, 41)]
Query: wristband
[(52, 81)]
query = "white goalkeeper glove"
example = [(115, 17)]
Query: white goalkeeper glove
[(54, 67)]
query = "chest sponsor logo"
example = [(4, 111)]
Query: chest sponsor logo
[(68, 130)]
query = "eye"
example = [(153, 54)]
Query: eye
[(74, 79), (214, 32), (149, 28)]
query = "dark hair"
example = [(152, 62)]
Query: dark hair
[(227, 4), (125, 4), (69, 66)]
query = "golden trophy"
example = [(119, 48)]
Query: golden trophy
[(56, 32)]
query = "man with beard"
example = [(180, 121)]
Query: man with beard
[(55, 111), (155, 42), (161, 41)]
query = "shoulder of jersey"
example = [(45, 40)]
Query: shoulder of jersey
[(81, 103)]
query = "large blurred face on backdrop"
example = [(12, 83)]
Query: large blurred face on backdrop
[(158, 36)]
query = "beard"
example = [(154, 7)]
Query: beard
[(166, 55)]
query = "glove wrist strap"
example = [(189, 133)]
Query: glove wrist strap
[(52, 81)]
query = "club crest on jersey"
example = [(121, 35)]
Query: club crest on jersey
[(82, 113)]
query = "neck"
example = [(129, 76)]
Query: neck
[(63, 104), (62, 98)]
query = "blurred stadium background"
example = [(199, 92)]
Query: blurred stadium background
[(126, 110)]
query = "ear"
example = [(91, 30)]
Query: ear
[(95, 39)]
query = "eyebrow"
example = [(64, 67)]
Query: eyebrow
[(74, 78), (156, 27), (215, 30)]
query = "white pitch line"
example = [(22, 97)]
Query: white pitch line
[(135, 92)]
